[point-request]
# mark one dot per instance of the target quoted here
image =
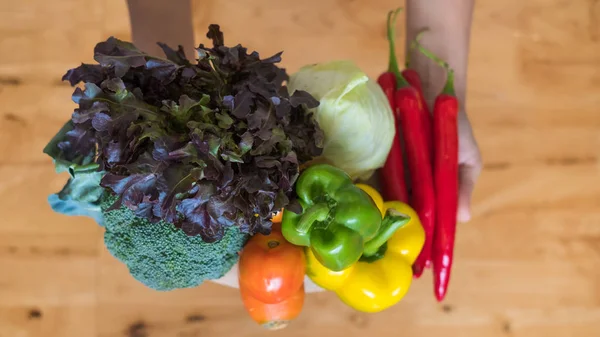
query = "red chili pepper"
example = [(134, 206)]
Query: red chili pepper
[(445, 166), (419, 166), (392, 172), (445, 172), (393, 185), (387, 82), (409, 112), (412, 77)]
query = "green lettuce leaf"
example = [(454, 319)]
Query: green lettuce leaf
[(80, 196), (82, 193)]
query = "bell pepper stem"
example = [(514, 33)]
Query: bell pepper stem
[(392, 221), (317, 212)]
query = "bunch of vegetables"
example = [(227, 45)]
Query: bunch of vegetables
[(363, 248), (192, 167), (431, 147), (182, 162), (346, 239)]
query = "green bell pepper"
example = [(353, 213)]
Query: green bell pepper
[(337, 218)]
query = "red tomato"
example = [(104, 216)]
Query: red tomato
[(273, 316), (270, 268)]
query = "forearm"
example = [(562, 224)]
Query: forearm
[(449, 27), (155, 21)]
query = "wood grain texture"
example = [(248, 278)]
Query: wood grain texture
[(528, 264)]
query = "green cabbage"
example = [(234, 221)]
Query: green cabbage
[(353, 113)]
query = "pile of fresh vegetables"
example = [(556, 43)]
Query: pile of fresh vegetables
[(192, 167), (346, 240)]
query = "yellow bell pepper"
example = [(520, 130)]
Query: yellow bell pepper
[(381, 280)]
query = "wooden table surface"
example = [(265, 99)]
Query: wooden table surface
[(528, 264)]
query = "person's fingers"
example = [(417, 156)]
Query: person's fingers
[(465, 189), (468, 175), (469, 159)]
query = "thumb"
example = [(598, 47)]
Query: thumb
[(467, 176)]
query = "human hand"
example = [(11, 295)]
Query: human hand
[(469, 161), (449, 25), (155, 21)]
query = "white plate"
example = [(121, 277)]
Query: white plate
[(231, 280)]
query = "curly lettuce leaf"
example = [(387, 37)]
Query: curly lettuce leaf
[(205, 145)]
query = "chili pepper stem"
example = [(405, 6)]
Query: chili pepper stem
[(413, 45), (392, 221), (416, 42), (317, 212), (391, 36), (449, 86)]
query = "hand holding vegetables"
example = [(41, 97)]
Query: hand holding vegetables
[(432, 149), (415, 128), (449, 26), (189, 166)]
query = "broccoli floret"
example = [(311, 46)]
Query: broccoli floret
[(162, 256)]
